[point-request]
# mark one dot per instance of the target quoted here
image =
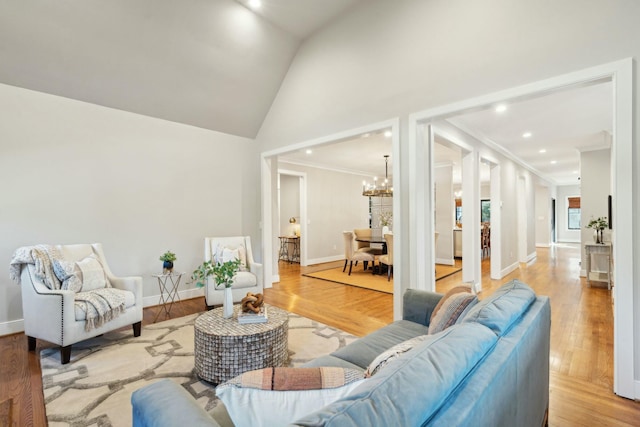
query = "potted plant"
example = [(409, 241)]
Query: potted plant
[(223, 274), (598, 224), (167, 259)]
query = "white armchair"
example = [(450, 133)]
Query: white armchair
[(51, 314), (244, 281)]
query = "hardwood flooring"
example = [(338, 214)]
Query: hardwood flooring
[(581, 380)]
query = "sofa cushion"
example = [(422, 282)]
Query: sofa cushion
[(387, 356), (452, 306), (500, 310), (252, 397), (411, 389), (362, 351)]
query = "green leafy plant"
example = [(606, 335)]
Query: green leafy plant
[(168, 256), (599, 223), (223, 273), (386, 218)]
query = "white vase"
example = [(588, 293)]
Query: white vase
[(385, 230), (227, 304)]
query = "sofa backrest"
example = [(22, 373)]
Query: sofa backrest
[(410, 389), (500, 310)]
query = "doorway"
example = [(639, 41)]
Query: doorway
[(620, 75)]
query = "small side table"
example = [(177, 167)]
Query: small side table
[(289, 248), (601, 249), (168, 284)]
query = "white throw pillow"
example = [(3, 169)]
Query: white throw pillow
[(250, 400), (81, 276), (93, 275)]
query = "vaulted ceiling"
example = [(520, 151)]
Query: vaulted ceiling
[(214, 64)]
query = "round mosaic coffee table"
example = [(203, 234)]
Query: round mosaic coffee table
[(224, 348)]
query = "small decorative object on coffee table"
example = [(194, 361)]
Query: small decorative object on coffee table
[(223, 274), (225, 349)]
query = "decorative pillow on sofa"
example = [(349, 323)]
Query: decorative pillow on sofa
[(394, 352), (451, 307), (279, 396), (84, 275)]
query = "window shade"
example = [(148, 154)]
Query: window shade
[(574, 202)]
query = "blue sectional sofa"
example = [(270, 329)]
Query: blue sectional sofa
[(489, 369)]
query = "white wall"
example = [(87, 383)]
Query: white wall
[(564, 234), (596, 185), (543, 218), (444, 214), (334, 204), (289, 203), (74, 172)]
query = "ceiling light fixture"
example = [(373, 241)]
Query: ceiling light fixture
[(309, 151), (553, 162), (375, 190), (387, 134), (501, 108), (542, 151), (255, 4), (527, 135)]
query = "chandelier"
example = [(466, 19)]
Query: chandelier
[(379, 190)]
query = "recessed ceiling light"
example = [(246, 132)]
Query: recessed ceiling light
[(501, 108), (553, 162), (387, 134), (527, 135), (542, 151), (366, 135), (255, 4), (309, 151), (576, 172)]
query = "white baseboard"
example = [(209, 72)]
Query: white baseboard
[(531, 258), (184, 294), (274, 279), (543, 245), (11, 327), (445, 261), (509, 269), (637, 396), (332, 258)]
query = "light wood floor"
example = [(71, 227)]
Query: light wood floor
[(581, 337)]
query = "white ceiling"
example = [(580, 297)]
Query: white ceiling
[(301, 18), (563, 123)]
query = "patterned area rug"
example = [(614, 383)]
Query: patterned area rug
[(95, 387)]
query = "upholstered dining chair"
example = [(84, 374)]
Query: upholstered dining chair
[(388, 258), (58, 315), (351, 255), (248, 279), (365, 246)]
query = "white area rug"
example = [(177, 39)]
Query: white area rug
[(95, 387)]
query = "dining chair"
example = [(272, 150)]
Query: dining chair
[(350, 255), (366, 246), (388, 258)]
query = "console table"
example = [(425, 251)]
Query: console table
[(598, 249)]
